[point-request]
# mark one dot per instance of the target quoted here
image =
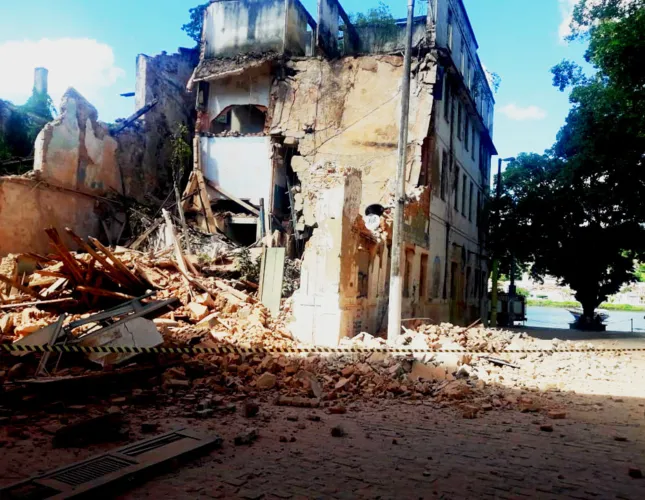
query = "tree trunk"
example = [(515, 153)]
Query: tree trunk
[(588, 310)]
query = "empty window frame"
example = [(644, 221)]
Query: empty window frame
[(444, 175), (423, 276), (466, 130), (463, 195), (457, 188)]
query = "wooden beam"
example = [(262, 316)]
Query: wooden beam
[(117, 263), (223, 192), (170, 228), (110, 270), (37, 303), (101, 292), (70, 263), (144, 236), (205, 202), (22, 288)]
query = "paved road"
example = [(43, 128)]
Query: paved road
[(600, 339), (402, 451)]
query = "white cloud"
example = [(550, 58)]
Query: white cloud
[(519, 113), (82, 63), (566, 9)]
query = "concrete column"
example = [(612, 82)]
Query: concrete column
[(328, 282)]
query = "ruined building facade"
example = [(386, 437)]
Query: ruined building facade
[(301, 116)]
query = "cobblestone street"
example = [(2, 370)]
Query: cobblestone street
[(397, 450)]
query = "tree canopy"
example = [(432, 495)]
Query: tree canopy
[(576, 211), (193, 28)]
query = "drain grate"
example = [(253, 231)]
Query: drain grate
[(90, 470)]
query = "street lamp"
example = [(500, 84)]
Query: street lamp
[(493, 294)]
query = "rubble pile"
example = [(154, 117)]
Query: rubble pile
[(195, 310)]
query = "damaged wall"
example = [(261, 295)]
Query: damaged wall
[(163, 77), (347, 112), (237, 27), (76, 151), (254, 87), (28, 206), (321, 311)]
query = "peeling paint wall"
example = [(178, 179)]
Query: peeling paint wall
[(347, 112), (28, 206), (75, 151)]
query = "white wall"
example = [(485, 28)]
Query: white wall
[(249, 88), (239, 26), (241, 165)]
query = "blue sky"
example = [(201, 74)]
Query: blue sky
[(93, 45)]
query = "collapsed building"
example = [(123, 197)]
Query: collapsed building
[(83, 168), (295, 124), (300, 116)]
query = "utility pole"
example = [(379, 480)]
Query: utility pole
[(495, 278), (396, 283)]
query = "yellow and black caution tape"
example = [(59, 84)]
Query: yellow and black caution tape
[(234, 349)]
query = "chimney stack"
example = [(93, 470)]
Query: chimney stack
[(40, 80)]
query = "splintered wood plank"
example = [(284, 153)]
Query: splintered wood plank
[(117, 263), (101, 292), (37, 303), (18, 286), (110, 270), (70, 263)]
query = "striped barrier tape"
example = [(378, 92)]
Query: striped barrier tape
[(231, 349)]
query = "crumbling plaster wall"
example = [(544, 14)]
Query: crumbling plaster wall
[(28, 206), (323, 305), (347, 111), (76, 151), (163, 77)]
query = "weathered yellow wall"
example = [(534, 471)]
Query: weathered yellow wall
[(28, 206), (347, 112), (75, 151)]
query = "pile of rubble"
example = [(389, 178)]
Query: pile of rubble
[(168, 299)]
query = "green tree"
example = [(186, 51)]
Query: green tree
[(556, 222), (576, 212), (41, 104), (193, 28)]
